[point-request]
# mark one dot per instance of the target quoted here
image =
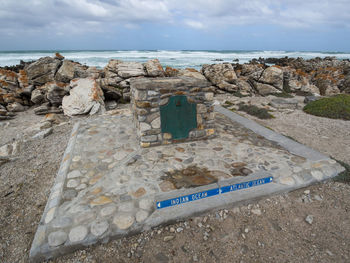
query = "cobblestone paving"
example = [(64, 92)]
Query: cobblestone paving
[(110, 183)]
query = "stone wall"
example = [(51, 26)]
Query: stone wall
[(149, 94)]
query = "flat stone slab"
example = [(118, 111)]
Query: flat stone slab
[(108, 186)]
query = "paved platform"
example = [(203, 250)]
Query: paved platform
[(108, 186)]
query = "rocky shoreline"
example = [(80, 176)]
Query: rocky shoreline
[(57, 85)]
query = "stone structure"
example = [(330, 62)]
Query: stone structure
[(152, 101)]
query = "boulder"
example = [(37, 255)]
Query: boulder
[(252, 71), (37, 96), (8, 78), (43, 70), (273, 76), (125, 69), (192, 73), (23, 80), (243, 85), (265, 89), (46, 108), (70, 70), (154, 68), (171, 72), (219, 73), (56, 91), (15, 107), (85, 97)]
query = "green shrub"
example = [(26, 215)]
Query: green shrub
[(253, 110), (336, 107), (343, 177)]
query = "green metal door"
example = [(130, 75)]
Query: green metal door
[(178, 117)]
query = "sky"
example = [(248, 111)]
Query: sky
[(295, 25)]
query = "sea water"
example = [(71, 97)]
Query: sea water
[(177, 59)]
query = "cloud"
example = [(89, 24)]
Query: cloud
[(194, 24), (82, 16)]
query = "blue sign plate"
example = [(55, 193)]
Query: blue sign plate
[(212, 192)]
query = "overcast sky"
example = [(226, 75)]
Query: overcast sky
[(317, 25)]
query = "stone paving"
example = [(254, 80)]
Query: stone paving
[(107, 185)]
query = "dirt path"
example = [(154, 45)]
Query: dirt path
[(270, 230)]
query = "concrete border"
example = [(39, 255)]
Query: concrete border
[(55, 195)]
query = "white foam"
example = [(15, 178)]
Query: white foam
[(178, 59)]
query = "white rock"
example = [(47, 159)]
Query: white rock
[(146, 204), (5, 150), (74, 174), (108, 210), (43, 134), (99, 228), (256, 212), (85, 96), (123, 221), (78, 233), (317, 175), (72, 183), (57, 238), (141, 216), (309, 219), (286, 180)]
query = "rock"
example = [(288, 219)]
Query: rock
[(280, 103), (78, 234), (45, 125), (252, 71), (23, 79), (45, 109), (243, 86), (6, 150), (273, 76), (219, 73), (146, 204), (59, 56), (43, 134), (311, 98), (171, 72), (256, 211), (126, 69), (141, 216), (85, 96), (111, 105), (168, 238), (98, 228), (27, 91), (15, 107), (55, 92), (43, 70), (309, 219), (123, 220), (265, 89), (57, 238), (154, 68), (192, 73), (70, 70), (37, 96), (54, 118)]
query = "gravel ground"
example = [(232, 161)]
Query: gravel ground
[(269, 230)]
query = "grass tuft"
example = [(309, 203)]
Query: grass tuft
[(253, 110), (336, 107)]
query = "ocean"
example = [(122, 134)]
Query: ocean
[(177, 59)]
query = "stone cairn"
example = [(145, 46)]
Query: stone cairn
[(149, 94)]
